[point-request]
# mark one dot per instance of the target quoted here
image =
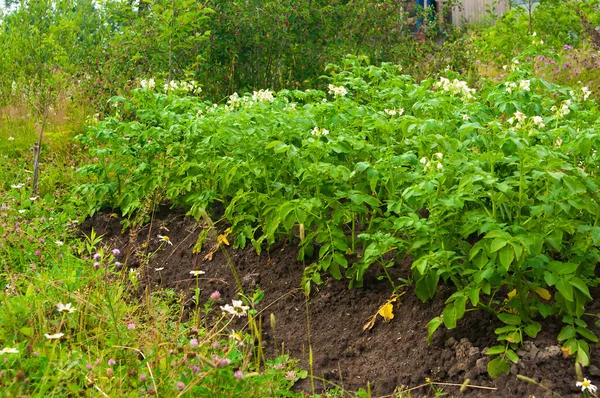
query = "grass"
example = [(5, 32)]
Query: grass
[(106, 342)]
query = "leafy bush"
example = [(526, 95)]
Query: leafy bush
[(551, 25)]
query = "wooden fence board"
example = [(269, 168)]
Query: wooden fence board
[(473, 11)]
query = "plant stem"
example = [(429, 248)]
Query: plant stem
[(37, 147)]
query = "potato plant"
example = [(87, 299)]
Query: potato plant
[(492, 190)]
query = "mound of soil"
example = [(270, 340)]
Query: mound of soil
[(391, 356)]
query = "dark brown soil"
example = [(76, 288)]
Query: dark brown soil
[(389, 357)]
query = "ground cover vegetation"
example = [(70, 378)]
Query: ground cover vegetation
[(321, 124)]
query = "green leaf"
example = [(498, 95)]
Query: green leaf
[(340, 244), (420, 264), (588, 334), (334, 269), (497, 244), (278, 146), (480, 260), (498, 367), (549, 278), (506, 256), (474, 296), (513, 337), (340, 259), (362, 166), (509, 319), (495, 350), (512, 356), (453, 312), (324, 250), (561, 268), (432, 326), (497, 233), (26, 331), (518, 250), (566, 333), (580, 285), (532, 329), (504, 329), (583, 353), (509, 147), (565, 289), (426, 286)]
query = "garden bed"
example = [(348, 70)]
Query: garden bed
[(389, 357)]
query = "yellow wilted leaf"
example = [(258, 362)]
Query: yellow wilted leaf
[(566, 351), (370, 323), (387, 311), (222, 239), (512, 293), (543, 293)]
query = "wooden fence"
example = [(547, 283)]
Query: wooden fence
[(474, 11)]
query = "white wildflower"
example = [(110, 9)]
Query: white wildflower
[(319, 132), (455, 87), (510, 86), (337, 91), (233, 99), (170, 86), (17, 186), (11, 138), (586, 92), (586, 385), (54, 336), (8, 350), (538, 121), (394, 112), (559, 142), (148, 84), (165, 239), (525, 85), (60, 307), (236, 309), (197, 273), (263, 96)]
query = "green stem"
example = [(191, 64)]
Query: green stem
[(521, 187)]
